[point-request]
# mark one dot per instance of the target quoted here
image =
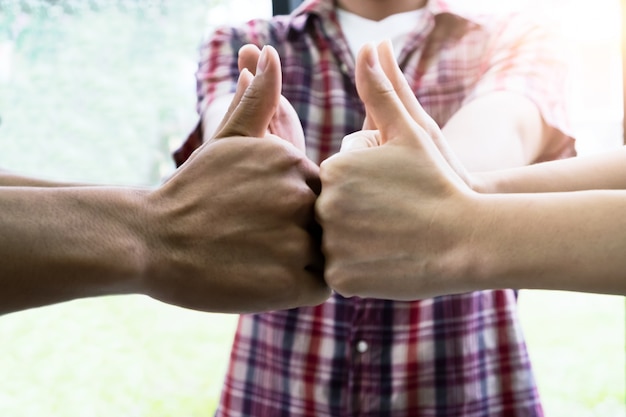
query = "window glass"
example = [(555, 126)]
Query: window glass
[(100, 91)]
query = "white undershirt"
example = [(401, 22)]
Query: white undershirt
[(359, 30)]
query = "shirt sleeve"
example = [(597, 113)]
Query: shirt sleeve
[(528, 59)]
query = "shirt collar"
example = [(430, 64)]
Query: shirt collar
[(325, 10)]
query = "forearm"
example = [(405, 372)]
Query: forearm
[(59, 244), (602, 171), (561, 241)]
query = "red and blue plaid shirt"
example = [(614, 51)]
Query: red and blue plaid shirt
[(460, 355)]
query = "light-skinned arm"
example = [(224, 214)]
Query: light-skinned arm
[(602, 171), (228, 232), (431, 234)]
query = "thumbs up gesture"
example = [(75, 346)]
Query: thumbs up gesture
[(234, 220), (391, 200)]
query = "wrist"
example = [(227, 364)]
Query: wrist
[(495, 253), (141, 250), (160, 242), (464, 264)]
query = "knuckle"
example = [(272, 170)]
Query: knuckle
[(331, 172), (321, 209), (298, 198), (332, 207), (340, 280), (326, 208)]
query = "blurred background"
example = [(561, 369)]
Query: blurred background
[(102, 90)]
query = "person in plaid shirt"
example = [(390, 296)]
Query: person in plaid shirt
[(496, 86)]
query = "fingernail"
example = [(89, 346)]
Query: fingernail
[(261, 65), (372, 58)]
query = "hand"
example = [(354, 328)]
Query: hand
[(390, 199), (397, 79), (233, 221)]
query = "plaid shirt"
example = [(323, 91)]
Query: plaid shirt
[(460, 355)]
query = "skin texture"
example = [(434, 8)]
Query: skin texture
[(422, 224), (228, 232)]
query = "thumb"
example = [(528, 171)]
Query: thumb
[(383, 107), (414, 108), (286, 122), (252, 115), (248, 57), (389, 114)]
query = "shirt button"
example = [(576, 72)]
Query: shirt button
[(344, 68), (362, 346)]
